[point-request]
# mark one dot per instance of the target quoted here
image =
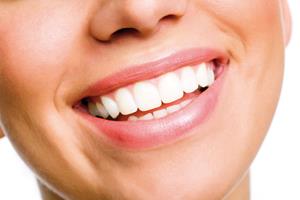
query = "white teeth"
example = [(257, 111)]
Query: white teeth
[(160, 113), (149, 116), (125, 101), (202, 75), (132, 118), (211, 76), (169, 87), (93, 109), (173, 108), (102, 110), (146, 96), (185, 103), (188, 80), (111, 106)]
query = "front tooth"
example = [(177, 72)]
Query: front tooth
[(188, 80), (173, 108), (211, 76), (103, 112), (125, 101), (148, 116), (160, 113), (146, 96), (111, 106), (93, 109), (169, 87), (202, 75)]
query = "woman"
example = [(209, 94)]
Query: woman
[(140, 99)]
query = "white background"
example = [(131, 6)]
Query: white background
[(275, 172)]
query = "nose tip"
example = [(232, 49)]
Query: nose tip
[(144, 16), (133, 17)]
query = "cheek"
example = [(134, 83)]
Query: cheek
[(250, 18), (34, 51)]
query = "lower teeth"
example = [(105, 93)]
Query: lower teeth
[(157, 114), (160, 113)]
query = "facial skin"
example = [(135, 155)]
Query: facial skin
[(51, 51)]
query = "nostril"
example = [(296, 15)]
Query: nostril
[(169, 18), (124, 32)]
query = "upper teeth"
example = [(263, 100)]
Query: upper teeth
[(150, 94), (146, 95)]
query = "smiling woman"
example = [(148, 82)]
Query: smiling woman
[(140, 99)]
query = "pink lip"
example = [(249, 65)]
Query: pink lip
[(153, 133), (149, 70)]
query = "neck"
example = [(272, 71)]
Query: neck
[(240, 192)]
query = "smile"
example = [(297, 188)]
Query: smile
[(156, 103)]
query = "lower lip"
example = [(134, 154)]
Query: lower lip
[(158, 132)]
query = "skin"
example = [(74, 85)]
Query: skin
[(50, 51)]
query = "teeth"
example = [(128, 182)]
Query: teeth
[(173, 108), (202, 75), (132, 118), (185, 103), (102, 111), (188, 80), (93, 109), (211, 76), (125, 101), (111, 106), (146, 96), (97, 109), (160, 113), (169, 87), (149, 116)]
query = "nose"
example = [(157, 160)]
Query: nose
[(114, 18)]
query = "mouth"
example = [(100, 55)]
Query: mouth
[(156, 103)]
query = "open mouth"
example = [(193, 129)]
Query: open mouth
[(157, 97), (157, 102)]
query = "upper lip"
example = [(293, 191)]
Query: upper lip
[(149, 70)]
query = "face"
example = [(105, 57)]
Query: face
[(140, 99)]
